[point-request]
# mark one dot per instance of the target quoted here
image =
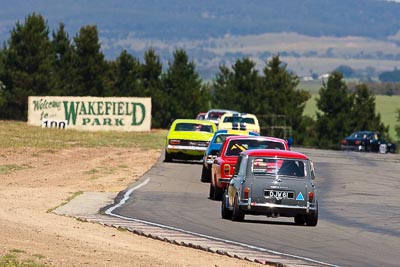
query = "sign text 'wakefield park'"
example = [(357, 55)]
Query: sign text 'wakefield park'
[(91, 113)]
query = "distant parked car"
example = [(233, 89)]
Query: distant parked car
[(215, 114), (368, 141), (272, 183), (213, 149), (201, 116), (188, 139), (223, 166), (239, 121)]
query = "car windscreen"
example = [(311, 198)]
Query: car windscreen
[(235, 147), (278, 167), (192, 127)]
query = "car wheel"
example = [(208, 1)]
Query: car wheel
[(299, 219), (211, 192), (205, 175), (218, 193), (312, 219), (237, 213), (226, 213), (168, 157)]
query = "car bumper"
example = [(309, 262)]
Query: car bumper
[(223, 182), (188, 150), (209, 162), (272, 208), (353, 148)]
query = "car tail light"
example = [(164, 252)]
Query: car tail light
[(227, 170), (344, 142), (310, 196), (174, 142), (357, 142), (246, 192)]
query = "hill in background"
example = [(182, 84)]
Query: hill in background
[(312, 36)]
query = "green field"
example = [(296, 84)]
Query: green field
[(19, 134), (385, 105), (275, 43)]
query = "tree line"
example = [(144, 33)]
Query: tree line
[(33, 64)]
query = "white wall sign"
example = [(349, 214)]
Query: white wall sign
[(90, 113)]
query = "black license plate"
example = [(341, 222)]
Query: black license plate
[(279, 194)]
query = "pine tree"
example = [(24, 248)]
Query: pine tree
[(335, 103), (183, 86), (64, 67), (151, 78), (126, 77), (92, 70), (363, 112), (245, 84), (397, 126), (2, 86), (236, 89), (274, 94), (223, 90), (279, 96), (28, 66)]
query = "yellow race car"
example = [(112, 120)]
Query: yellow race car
[(188, 139), (239, 121)]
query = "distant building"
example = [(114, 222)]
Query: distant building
[(323, 76)]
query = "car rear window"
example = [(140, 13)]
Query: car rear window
[(192, 127), (280, 167), (221, 138), (249, 120), (235, 147), (200, 116), (238, 120), (215, 115)]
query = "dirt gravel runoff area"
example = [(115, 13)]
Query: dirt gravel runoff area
[(34, 182)]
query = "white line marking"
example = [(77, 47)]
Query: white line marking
[(145, 182), (126, 197)]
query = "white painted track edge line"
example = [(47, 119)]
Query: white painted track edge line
[(128, 193)]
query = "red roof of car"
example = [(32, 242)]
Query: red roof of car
[(275, 153), (275, 139), (256, 137)]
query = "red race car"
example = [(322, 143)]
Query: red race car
[(223, 166)]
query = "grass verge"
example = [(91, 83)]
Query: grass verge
[(15, 134), (14, 259)]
